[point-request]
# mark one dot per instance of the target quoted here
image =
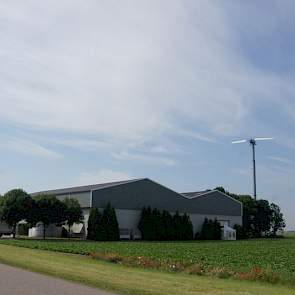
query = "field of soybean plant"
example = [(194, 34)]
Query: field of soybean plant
[(276, 255)]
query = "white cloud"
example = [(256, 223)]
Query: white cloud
[(281, 160), (148, 159), (159, 149), (101, 176), (196, 135), (26, 147), (78, 142), (126, 71)]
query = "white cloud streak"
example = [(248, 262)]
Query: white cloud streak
[(101, 176), (280, 159), (148, 159), (125, 71), (26, 147)]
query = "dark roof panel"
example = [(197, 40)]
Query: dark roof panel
[(84, 188)]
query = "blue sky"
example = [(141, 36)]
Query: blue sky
[(100, 91)]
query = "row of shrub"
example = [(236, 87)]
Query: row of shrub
[(161, 225), (103, 226), (154, 225)]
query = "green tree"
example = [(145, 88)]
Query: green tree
[(187, 228), (211, 230), (277, 219), (110, 224), (262, 218), (103, 227), (99, 228), (146, 224), (94, 224), (167, 224), (91, 223), (72, 213), (142, 223), (15, 206), (48, 210), (220, 188), (240, 232), (177, 224), (157, 225)]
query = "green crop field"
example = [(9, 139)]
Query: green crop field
[(130, 280), (277, 255)]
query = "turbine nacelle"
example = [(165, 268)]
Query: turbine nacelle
[(252, 140)]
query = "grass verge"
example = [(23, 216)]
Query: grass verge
[(125, 280)]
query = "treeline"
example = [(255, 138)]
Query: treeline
[(17, 205), (161, 225), (260, 218), (103, 226)]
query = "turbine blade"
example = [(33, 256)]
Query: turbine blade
[(263, 138), (239, 141)]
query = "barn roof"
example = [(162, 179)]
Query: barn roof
[(192, 195), (83, 188)]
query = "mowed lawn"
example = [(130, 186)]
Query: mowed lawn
[(278, 255), (128, 280)]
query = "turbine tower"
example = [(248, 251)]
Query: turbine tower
[(253, 143)]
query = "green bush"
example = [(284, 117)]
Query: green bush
[(156, 225), (109, 224), (241, 233), (187, 228), (103, 227), (211, 230)]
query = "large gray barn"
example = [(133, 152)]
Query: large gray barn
[(129, 197)]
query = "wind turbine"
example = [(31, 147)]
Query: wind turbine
[(252, 142)]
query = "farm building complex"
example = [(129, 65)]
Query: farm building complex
[(129, 197)]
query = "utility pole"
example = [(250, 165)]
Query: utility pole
[(252, 142)]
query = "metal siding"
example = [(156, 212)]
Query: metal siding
[(143, 193), (128, 218), (83, 198), (217, 203), (198, 219)]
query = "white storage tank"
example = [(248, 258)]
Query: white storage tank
[(51, 231)]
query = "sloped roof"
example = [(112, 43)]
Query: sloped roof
[(191, 195), (84, 188)]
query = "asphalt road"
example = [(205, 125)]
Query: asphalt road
[(14, 281)]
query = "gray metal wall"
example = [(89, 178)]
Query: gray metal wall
[(84, 198), (143, 193), (198, 219), (129, 219)]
